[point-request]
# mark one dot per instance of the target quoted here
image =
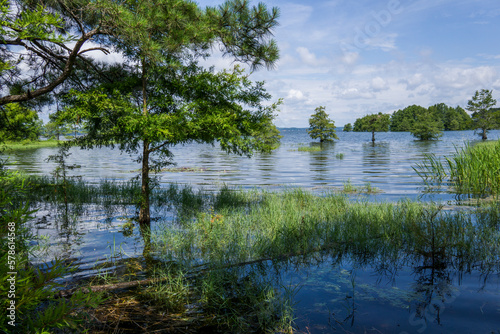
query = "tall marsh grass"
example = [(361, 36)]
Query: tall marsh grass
[(472, 170)]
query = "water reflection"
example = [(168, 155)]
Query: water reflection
[(376, 157), (320, 162)]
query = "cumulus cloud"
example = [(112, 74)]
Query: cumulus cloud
[(378, 84), (294, 94), (350, 58), (309, 58)]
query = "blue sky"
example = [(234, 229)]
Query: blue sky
[(362, 57)]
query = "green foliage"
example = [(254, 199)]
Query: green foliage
[(36, 307), (483, 115), (425, 127), (19, 123), (450, 119), (269, 136), (37, 23), (347, 127), (56, 127), (321, 127), (404, 120), (373, 123), (472, 170), (314, 148), (439, 116), (163, 97)]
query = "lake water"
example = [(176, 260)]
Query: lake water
[(334, 296), (386, 165)]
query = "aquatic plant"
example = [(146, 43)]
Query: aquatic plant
[(29, 303), (315, 148), (472, 170)]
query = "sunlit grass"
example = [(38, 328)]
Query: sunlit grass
[(472, 170), (28, 145)]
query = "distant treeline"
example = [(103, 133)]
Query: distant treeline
[(445, 117)]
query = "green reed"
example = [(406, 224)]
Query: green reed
[(471, 170), (258, 227)]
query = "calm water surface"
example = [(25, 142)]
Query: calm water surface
[(332, 296), (387, 165)]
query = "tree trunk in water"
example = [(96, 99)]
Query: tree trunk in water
[(373, 136), (484, 136), (144, 217)]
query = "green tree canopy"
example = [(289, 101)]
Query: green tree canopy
[(18, 122), (449, 118), (426, 127), (403, 120), (347, 127), (321, 127), (373, 123), (51, 38), (161, 96), (483, 116)]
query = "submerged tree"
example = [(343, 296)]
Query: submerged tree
[(347, 127), (321, 127), (482, 114), (426, 128), (161, 97), (373, 123)]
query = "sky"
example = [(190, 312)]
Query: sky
[(361, 57)]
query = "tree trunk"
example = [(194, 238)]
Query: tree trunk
[(373, 136), (144, 217), (484, 136)]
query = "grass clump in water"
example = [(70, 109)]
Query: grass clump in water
[(315, 148), (349, 188), (472, 170)]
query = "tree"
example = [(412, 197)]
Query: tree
[(449, 118), (403, 120), (373, 123), (347, 127), (56, 127), (320, 126), (49, 37), (18, 122), (162, 97), (426, 128), (482, 114)]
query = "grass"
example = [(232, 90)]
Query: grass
[(28, 145), (224, 251), (309, 148), (229, 244), (349, 188), (472, 170)]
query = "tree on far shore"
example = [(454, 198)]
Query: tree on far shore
[(373, 123), (321, 126)]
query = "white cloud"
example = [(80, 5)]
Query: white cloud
[(350, 58), (294, 94), (310, 58), (378, 84), (385, 42)]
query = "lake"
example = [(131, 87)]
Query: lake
[(346, 295)]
